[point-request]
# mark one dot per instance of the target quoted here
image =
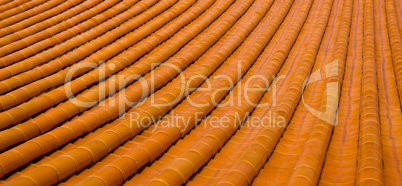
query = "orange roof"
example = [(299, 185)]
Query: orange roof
[(172, 92)]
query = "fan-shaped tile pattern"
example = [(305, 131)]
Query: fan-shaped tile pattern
[(200, 92)]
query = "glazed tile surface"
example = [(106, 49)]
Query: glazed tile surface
[(200, 92)]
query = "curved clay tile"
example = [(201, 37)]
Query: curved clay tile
[(200, 92)]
